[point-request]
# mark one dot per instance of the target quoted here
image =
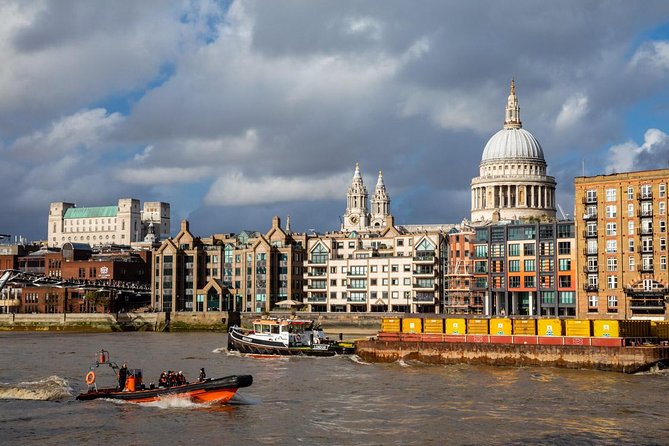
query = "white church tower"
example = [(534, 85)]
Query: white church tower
[(356, 217), (380, 204)]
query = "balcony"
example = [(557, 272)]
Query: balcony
[(317, 286), (356, 288), (591, 216), (643, 196), (645, 231), (424, 258), (316, 274), (590, 269), (590, 233), (589, 252), (588, 287), (653, 304), (423, 272), (589, 200), (648, 268), (423, 298), (645, 213), (317, 299), (356, 300), (647, 249), (423, 286)]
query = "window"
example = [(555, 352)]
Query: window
[(630, 193), (529, 249), (662, 189), (374, 268), (630, 227), (319, 255), (610, 195), (481, 251), (566, 231), (631, 245), (564, 264), (663, 244), (514, 250), (407, 281), (662, 207), (632, 266), (663, 226), (663, 263), (514, 281), (394, 268), (514, 266), (630, 210), (612, 264), (612, 229), (592, 301), (611, 301), (646, 191), (564, 248), (565, 281), (611, 211), (613, 282), (530, 265), (591, 196), (529, 281), (567, 297), (611, 246), (591, 230)]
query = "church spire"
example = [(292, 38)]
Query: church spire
[(512, 117)]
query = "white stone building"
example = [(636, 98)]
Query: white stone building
[(512, 183), (122, 224)]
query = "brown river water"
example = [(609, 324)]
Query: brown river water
[(317, 401)]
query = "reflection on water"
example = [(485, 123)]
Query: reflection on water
[(320, 401)]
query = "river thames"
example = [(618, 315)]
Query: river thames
[(316, 401)]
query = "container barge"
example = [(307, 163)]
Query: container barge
[(627, 346)]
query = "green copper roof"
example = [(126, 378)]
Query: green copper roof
[(100, 211)]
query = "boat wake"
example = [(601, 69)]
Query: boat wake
[(53, 388), (657, 370), (174, 402), (358, 360)]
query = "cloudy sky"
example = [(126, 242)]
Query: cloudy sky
[(237, 111)]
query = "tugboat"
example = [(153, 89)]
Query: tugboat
[(205, 390), (286, 337)]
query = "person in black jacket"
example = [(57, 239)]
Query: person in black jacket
[(122, 376)]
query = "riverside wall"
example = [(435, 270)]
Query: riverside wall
[(618, 359), (334, 324)]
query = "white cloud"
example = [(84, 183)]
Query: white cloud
[(654, 54), (652, 154), (87, 129), (236, 189), (573, 110)]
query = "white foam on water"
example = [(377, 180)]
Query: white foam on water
[(402, 363), (52, 388), (358, 360), (656, 370)]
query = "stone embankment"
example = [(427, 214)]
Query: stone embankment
[(618, 359), (334, 324)]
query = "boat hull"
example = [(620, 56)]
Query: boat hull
[(218, 390), (238, 341)]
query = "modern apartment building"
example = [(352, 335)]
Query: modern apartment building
[(526, 268), (121, 224), (248, 271), (394, 270), (621, 222)]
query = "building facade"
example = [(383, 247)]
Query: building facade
[(621, 222), (248, 271), (394, 270), (526, 269), (512, 182), (460, 297), (122, 224)]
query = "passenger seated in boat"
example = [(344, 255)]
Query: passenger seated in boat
[(181, 379), (162, 381)]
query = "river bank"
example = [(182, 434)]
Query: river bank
[(334, 324)]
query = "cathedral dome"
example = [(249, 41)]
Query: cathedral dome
[(512, 144)]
